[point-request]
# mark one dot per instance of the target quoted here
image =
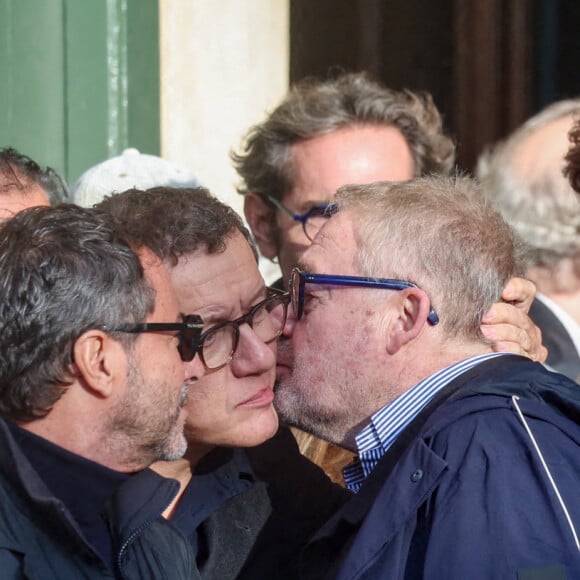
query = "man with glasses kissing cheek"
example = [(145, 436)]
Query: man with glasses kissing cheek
[(240, 508), (343, 130), (450, 437)]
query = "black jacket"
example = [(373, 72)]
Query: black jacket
[(39, 539), (274, 499)]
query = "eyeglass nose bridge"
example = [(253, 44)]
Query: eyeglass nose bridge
[(189, 338), (324, 210)]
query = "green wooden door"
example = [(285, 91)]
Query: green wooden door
[(80, 80)]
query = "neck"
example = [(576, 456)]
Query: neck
[(403, 370), (436, 356), (100, 449), (182, 470)]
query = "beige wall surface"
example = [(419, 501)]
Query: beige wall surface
[(224, 65)]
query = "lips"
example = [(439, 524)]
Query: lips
[(261, 398)]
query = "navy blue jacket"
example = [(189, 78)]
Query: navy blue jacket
[(39, 539), (462, 493)]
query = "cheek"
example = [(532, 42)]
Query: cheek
[(206, 396), (167, 357)]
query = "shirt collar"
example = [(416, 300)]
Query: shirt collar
[(386, 425)]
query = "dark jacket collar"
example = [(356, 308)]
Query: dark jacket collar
[(137, 501)]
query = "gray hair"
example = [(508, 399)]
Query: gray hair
[(314, 107), (63, 271), (542, 207), (441, 234)]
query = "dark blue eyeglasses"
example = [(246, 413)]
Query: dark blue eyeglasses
[(311, 220), (299, 279)]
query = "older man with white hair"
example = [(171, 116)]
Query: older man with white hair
[(524, 177)]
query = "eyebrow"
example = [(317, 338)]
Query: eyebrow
[(226, 312), (310, 204)]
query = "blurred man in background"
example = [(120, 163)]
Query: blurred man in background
[(523, 176), (23, 183)]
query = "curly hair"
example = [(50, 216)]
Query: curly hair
[(173, 222), (316, 107)]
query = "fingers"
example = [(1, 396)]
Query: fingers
[(511, 330), (519, 292)]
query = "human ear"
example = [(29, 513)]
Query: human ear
[(97, 358), (259, 217), (412, 311)]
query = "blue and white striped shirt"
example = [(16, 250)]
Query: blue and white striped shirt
[(388, 423)]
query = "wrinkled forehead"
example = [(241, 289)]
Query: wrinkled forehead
[(17, 196), (220, 283), (14, 201)]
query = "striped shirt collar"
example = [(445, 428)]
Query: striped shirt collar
[(387, 423)]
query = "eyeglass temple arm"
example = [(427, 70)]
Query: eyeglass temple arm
[(283, 208), (432, 317)]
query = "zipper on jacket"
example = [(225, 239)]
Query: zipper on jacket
[(138, 531)]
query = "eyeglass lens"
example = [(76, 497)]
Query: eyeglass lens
[(314, 220), (219, 343)]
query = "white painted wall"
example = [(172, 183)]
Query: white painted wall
[(224, 65)]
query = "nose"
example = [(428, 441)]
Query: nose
[(253, 355), (288, 328), (193, 369)]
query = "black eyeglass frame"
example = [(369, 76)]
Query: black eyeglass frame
[(189, 332), (326, 210), (297, 290), (273, 295)]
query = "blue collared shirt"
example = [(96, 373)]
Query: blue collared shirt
[(388, 423)]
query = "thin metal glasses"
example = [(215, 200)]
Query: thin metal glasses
[(188, 331), (218, 344), (311, 220), (299, 279)]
